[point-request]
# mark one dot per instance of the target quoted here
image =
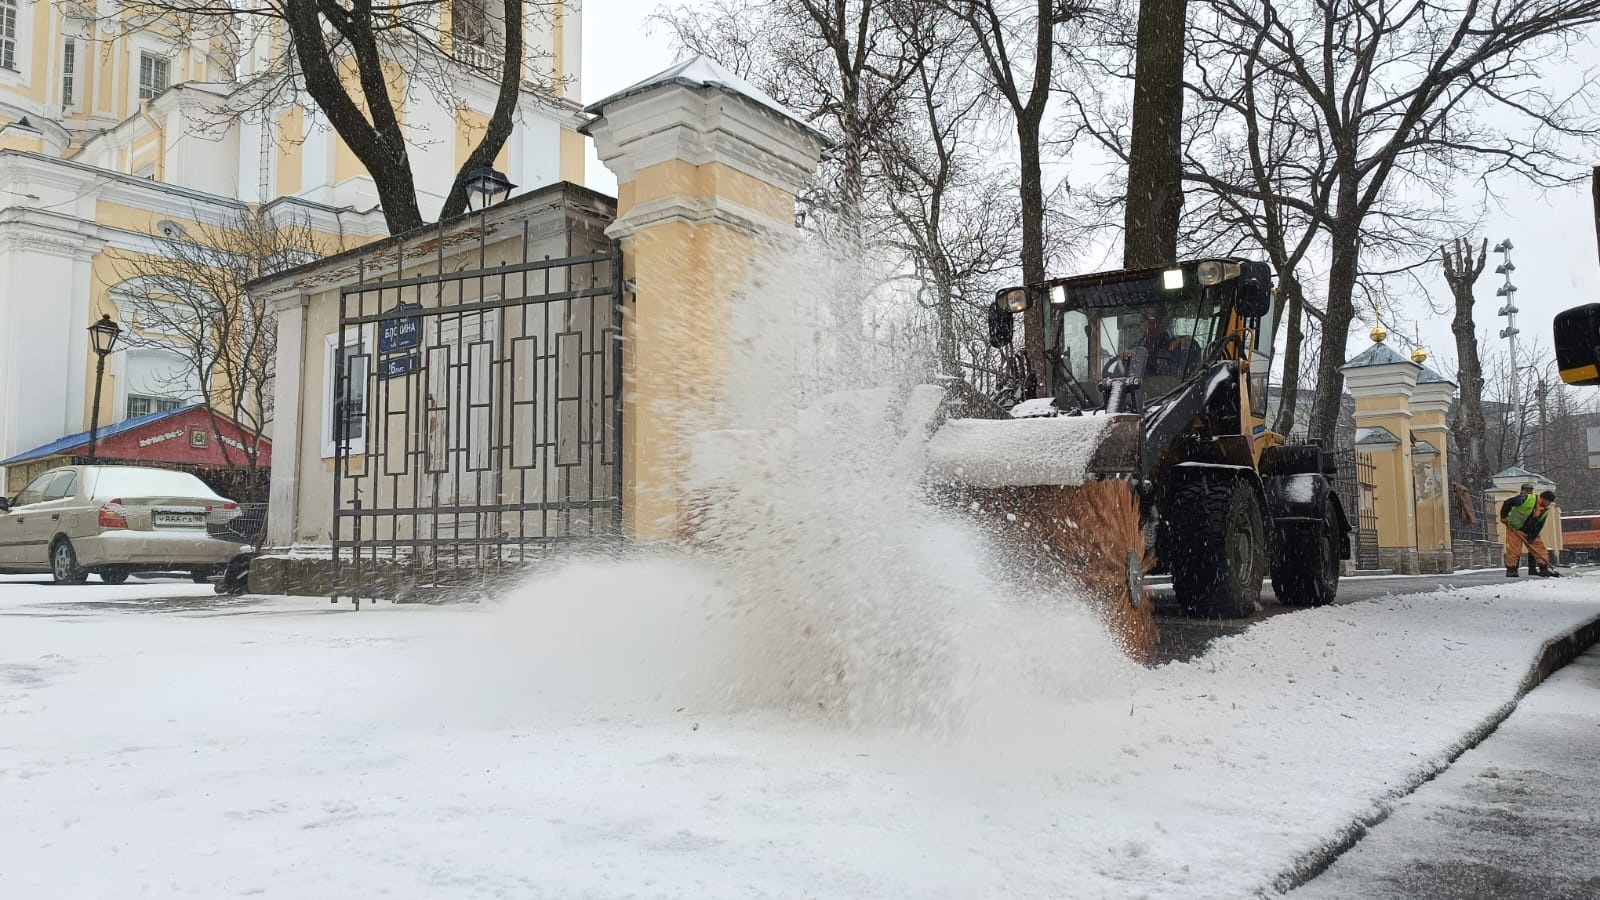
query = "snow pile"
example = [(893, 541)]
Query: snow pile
[(1038, 406), (989, 453), (282, 751)]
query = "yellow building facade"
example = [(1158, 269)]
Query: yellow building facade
[(117, 135)]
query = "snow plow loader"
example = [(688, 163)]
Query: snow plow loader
[(1150, 452)]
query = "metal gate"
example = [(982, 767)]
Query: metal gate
[(477, 420), (1356, 483), (1367, 512)]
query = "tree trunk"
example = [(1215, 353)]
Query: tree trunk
[(1468, 426), (1033, 325), (1155, 163), (1346, 248), (1594, 188), (1290, 288), (945, 310), (378, 141)]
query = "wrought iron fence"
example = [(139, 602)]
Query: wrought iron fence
[(1367, 556), (477, 419), (1357, 484)]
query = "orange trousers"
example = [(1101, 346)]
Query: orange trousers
[(1516, 541)]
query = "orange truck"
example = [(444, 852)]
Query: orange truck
[(1581, 536)]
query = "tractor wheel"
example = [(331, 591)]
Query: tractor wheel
[(1305, 567), (1218, 548)]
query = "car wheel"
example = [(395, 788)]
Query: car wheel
[(115, 576), (64, 564)]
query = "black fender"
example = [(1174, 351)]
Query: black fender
[(1300, 486), (1224, 470), (1302, 500)]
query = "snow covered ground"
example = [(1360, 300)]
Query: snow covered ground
[(577, 741), (1513, 818)]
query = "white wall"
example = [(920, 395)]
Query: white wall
[(44, 283), (431, 132), (535, 153)]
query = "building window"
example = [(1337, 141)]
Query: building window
[(152, 75), (470, 33), (469, 22), (69, 70), (139, 405), (344, 406), (8, 34)]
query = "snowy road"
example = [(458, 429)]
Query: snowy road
[(1516, 817), (1183, 636), (569, 743)]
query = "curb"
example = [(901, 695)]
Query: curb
[(1555, 653)]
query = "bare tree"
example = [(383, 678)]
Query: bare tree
[(190, 299), (842, 66), (1400, 91), (1461, 271), (350, 58), (958, 216), (1017, 43)]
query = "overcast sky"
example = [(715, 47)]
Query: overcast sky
[(1553, 233)]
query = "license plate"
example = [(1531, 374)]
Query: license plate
[(180, 520)]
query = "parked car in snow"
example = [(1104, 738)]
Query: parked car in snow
[(113, 521)]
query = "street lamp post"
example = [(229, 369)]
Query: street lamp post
[(103, 337)]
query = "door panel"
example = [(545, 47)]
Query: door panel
[(460, 371), (25, 531)]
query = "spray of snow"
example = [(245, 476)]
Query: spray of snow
[(825, 582)]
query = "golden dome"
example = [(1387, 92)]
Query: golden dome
[(1379, 334), (1419, 356)]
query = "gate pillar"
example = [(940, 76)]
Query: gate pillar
[(1430, 411), (707, 172), (1382, 383)]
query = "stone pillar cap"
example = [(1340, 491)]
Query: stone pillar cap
[(700, 72)]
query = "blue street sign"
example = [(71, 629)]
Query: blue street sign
[(395, 366), (400, 334)]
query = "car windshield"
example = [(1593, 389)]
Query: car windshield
[(1174, 333), (137, 482)]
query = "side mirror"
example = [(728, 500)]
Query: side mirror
[(1252, 297), (1578, 344), (5, 505)]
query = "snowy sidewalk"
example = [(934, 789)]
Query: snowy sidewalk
[(568, 743), (1517, 816)]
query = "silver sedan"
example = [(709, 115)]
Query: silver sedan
[(113, 521)]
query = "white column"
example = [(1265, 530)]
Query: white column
[(288, 418)]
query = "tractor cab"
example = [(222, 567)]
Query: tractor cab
[(1119, 340), (1178, 358)]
